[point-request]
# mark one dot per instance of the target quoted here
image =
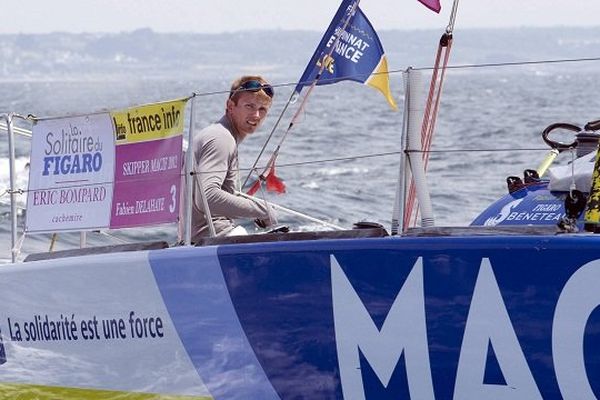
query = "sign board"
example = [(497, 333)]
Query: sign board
[(71, 174), (108, 170), (148, 164)]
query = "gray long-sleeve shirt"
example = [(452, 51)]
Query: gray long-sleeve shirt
[(216, 164)]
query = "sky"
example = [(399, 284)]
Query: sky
[(215, 16)]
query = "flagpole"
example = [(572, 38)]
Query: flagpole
[(308, 92), (268, 140), (320, 73)]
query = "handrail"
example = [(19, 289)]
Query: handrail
[(19, 131)]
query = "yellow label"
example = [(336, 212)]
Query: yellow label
[(149, 122)]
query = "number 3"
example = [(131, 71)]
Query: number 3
[(173, 199)]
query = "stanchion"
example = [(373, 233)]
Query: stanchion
[(13, 200), (189, 179)]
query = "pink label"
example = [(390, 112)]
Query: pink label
[(147, 183)]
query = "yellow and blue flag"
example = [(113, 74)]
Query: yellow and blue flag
[(349, 50)]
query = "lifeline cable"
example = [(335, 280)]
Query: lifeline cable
[(297, 164), (431, 110)]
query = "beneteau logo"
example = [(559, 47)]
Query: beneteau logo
[(503, 214)]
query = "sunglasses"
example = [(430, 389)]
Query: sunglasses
[(254, 86)]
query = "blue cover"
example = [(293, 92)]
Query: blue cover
[(447, 317), (531, 205)]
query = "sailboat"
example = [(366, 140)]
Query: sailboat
[(503, 308)]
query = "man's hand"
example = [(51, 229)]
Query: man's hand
[(266, 222), (262, 223)]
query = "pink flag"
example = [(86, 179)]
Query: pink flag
[(432, 5)]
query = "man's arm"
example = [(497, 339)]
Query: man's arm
[(212, 163)]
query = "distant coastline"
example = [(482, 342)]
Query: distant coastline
[(147, 54)]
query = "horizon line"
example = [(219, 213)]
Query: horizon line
[(258, 30)]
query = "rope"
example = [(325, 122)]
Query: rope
[(509, 64), (262, 150), (26, 132), (431, 110), (308, 92), (430, 68), (300, 163), (429, 119), (450, 27)]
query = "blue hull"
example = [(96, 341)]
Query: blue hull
[(388, 318)]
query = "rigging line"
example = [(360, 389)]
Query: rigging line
[(391, 153), (228, 91), (301, 163), (450, 27), (346, 21), (399, 71), (301, 107), (478, 150), (346, 77), (507, 64), (430, 115), (457, 66), (389, 72), (33, 118), (320, 73)]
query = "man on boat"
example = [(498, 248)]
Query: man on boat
[(216, 161)]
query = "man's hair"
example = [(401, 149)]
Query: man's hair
[(235, 90)]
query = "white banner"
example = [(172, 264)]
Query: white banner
[(71, 174), (107, 329)]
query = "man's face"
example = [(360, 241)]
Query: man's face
[(248, 113)]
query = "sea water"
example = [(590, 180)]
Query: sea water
[(341, 161)]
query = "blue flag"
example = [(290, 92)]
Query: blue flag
[(357, 53)]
